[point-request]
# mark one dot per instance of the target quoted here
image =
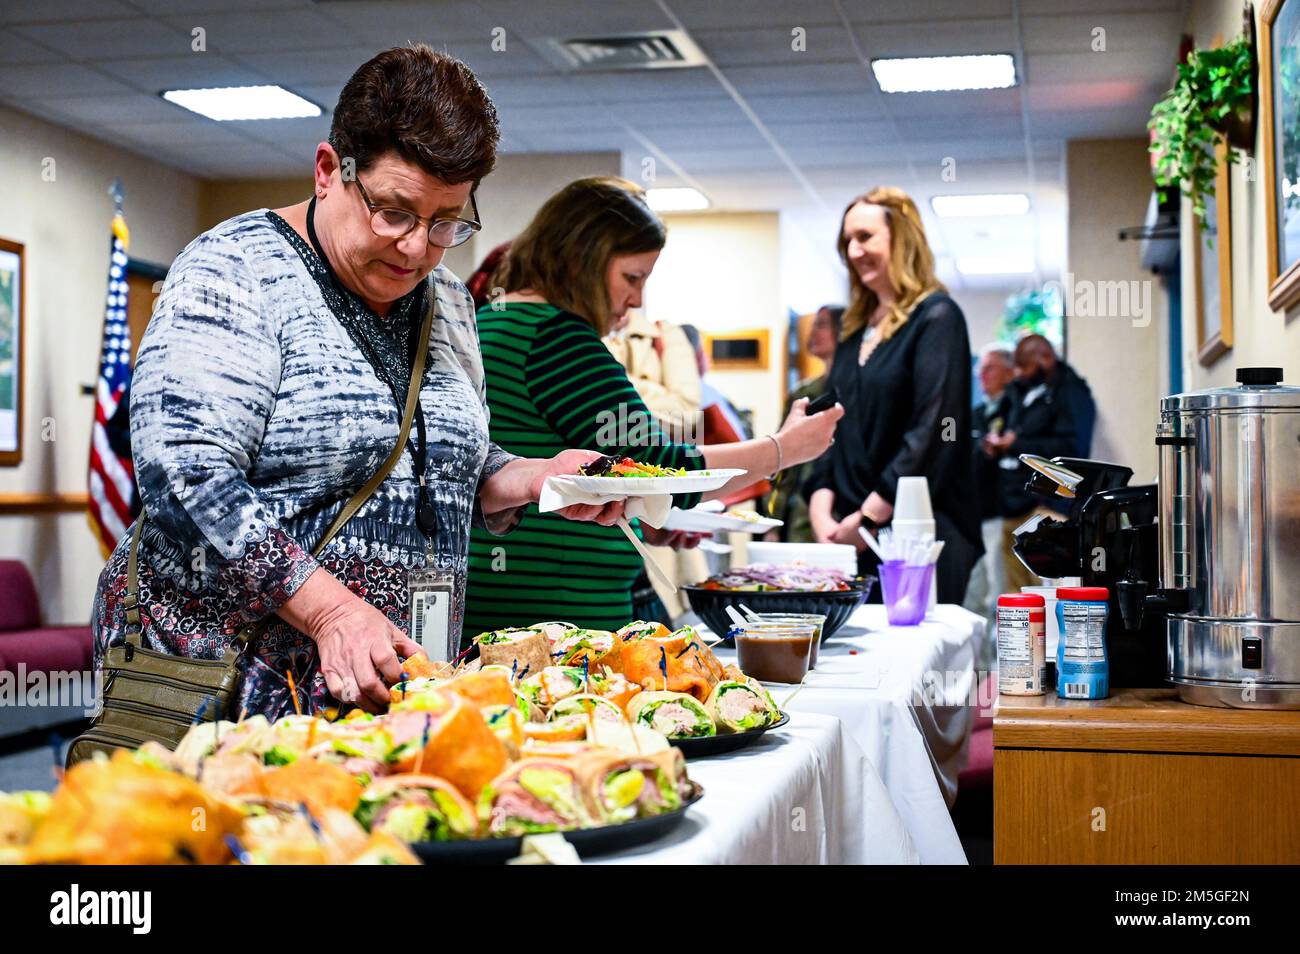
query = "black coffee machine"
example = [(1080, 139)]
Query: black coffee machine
[(1109, 539)]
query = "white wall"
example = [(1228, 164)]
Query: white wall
[(1123, 356), (1261, 336), (510, 197), (722, 272), (64, 224)]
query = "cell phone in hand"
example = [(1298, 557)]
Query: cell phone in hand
[(823, 402)]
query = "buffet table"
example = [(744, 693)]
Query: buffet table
[(903, 695), (805, 794)]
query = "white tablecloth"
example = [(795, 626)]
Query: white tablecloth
[(903, 694), (805, 794)]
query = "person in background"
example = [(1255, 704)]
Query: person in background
[(903, 372), (1052, 414), (786, 502), (994, 370), (480, 283), (660, 363), (577, 269)]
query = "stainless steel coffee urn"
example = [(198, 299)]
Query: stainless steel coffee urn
[(1229, 529)]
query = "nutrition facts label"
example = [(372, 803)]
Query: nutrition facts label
[(1083, 634), (1021, 663)]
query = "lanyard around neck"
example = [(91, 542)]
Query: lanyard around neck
[(426, 517)]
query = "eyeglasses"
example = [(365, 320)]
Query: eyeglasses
[(388, 222)]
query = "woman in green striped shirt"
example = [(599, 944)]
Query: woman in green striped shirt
[(569, 279)]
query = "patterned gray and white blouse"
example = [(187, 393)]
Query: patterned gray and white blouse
[(254, 417)]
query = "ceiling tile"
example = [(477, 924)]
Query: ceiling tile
[(938, 38), (267, 31), (810, 78), (109, 39), (752, 14), (1123, 32), (322, 65), (55, 11), (190, 71), (775, 46), (15, 49), (20, 83), (925, 13)]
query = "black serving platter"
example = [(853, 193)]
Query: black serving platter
[(589, 842), (718, 744)]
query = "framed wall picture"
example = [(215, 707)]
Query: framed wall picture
[(13, 291), (1280, 101), (738, 350), (1213, 269)]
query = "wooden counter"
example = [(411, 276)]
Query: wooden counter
[(1141, 778)]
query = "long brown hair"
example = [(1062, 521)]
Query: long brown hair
[(564, 253), (911, 264)]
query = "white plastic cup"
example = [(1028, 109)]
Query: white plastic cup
[(912, 501)]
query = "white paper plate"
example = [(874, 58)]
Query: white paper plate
[(698, 482), (703, 521)]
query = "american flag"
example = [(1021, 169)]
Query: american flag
[(113, 498)]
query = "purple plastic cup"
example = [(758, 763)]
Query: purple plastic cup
[(906, 591)]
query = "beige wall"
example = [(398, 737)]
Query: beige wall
[(1120, 351), (510, 197), (219, 201), (721, 272), (1261, 336), (64, 224)]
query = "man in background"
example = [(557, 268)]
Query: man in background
[(1052, 414), (995, 370), (786, 503)]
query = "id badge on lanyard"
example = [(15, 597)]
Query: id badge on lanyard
[(430, 590)]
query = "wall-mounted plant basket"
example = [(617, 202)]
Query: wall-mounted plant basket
[(1241, 127), (1213, 101)]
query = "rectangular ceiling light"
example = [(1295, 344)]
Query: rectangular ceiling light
[(995, 264), (243, 102), (676, 199), (958, 206), (934, 74)]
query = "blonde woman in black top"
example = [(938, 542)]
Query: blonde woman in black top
[(903, 373)]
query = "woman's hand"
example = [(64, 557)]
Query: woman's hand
[(520, 482), (677, 539), (846, 531), (569, 462), (359, 649), (805, 438), (821, 516)]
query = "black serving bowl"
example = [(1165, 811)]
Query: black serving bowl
[(837, 605)]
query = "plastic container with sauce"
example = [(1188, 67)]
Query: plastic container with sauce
[(775, 652), (817, 620)]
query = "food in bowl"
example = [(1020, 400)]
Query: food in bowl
[(794, 577)]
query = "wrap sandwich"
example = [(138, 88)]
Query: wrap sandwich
[(673, 714), (626, 787), (739, 705), (597, 647), (456, 742), (522, 651), (417, 808), (536, 794)]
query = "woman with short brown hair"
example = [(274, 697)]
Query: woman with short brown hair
[(270, 385), (572, 274)]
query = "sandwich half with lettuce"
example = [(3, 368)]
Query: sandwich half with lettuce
[(534, 795), (417, 808), (627, 787), (741, 705), (676, 715)]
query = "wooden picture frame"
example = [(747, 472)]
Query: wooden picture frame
[(753, 344), (1212, 258), (13, 316), (1280, 16)]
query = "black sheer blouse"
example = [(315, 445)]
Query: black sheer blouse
[(907, 412)]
